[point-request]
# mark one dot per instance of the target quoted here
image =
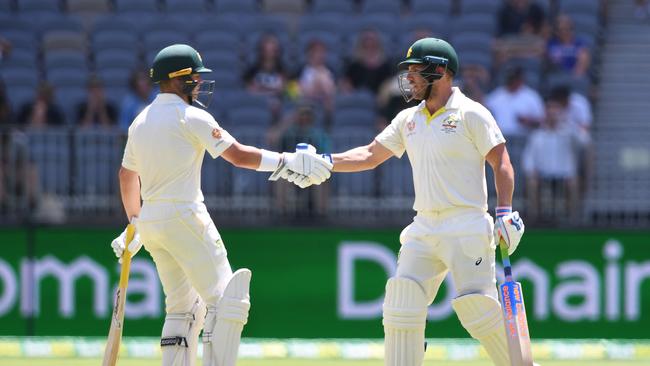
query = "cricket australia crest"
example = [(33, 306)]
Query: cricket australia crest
[(450, 123)]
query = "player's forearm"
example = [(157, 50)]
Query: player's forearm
[(504, 181), (130, 192), (354, 160)]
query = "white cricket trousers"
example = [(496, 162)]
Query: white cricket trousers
[(458, 241), (187, 249)]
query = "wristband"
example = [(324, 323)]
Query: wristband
[(502, 210), (270, 161)]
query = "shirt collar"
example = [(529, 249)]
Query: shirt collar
[(453, 102), (168, 98)]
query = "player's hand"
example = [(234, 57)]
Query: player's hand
[(306, 162), (118, 244), (509, 226)]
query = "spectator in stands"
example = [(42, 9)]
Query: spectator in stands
[(6, 116), (550, 162), (522, 31), (565, 52), (140, 95), (268, 74), (474, 81), (316, 80), (520, 16), (368, 66), (19, 188), (300, 126), (96, 110), (390, 102), (641, 9), (5, 48), (42, 111), (516, 107)]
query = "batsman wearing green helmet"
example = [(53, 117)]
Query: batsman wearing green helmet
[(162, 167), (448, 138)]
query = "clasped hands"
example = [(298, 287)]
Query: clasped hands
[(304, 167)]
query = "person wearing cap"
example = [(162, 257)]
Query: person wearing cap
[(448, 138), (162, 166)]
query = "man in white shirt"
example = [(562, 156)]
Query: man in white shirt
[(448, 138), (162, 165), (516, 107)]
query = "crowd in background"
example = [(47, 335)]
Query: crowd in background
[(537, 80)]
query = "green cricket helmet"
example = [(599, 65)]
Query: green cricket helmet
[(183, 61), (432, 53)]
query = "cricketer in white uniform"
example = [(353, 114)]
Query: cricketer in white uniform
[(448, 137), (162, 165)]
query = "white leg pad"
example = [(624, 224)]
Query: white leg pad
[(180, 336), (225, 323), (482, 317), (405, 314)]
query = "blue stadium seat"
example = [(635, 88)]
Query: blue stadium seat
[(583, 7), (472, 41), (114, 23), (88, 6), (20, 38), (19, 76), (248, 117), (227, 43), (115, 93), (216, 177), (438, 7), (484, 8), (221, 24), (58, 22), (190, 7), (354, 117), (355, 100), (236, 6), (355, 184), (396, 178), (435, 22), (68, 98), (157, 40), (474, 23), (20, 95), (6, 6), (29, 6), (341, 7), (122, 40), (20, 57), (387, 7), (96, 156), (50, 151), (67, 77), (65, 58), (129, 6), (63, 40), (321, 23), (112, 58), (117, 76)]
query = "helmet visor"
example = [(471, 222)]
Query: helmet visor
[(202, 93)]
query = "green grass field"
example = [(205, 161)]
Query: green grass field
[(285, 362)]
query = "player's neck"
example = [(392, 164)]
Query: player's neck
[(438, 99)]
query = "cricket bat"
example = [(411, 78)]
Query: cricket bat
[(514, 314), (117, 320)]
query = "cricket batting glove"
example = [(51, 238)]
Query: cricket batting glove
[(119, 243), (509, 226), (305, 167)]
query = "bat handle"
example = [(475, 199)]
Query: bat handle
[(505, 258)]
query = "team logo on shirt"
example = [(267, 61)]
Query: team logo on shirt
[(216, 133), (410, 126), (450, 123)]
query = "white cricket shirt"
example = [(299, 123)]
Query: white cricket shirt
[(166, 145), (446, 150)]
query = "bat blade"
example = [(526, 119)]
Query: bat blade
[(514, 317), (117, 319)]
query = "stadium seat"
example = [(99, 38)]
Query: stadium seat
[(128, 6), (236, 7), (30, 6), (341, 7), (96, 156), (580, 7), (65, 58), (484, 8), (6, 6), (249, 117), (67, 77), (157, 40), (50, 151), (117, 76), (438, 7), (122, 40), (19, 76), (287, 7), (88, 6), (20, 57), (222, 42), (385, 7), (355, 100), (64, 40), (188, 7), (396, 178), (20, 94), (474, 23), (356, 117)]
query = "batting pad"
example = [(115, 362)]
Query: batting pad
[(221, 343), (405, 314), (482, 318), (180, 336)]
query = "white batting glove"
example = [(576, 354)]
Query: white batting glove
[(305, 163), (118, 244), (509, 226)]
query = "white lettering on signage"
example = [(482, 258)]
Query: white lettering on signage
[(8, 296), (577, 294), (143, 281)]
